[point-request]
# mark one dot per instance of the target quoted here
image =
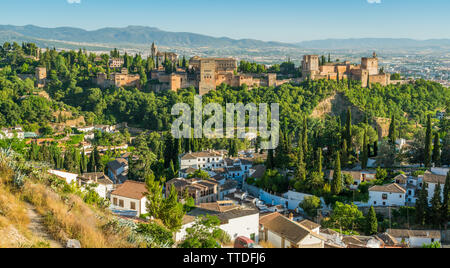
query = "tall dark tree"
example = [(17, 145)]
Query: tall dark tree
[(445, 209), (365, 152), (305, 137), (393, 131), (348, 130), (336, 184), (436, 206), (428, 143), (270, 163), (437, 150), (371, 222), (422, 205)]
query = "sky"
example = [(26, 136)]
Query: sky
[(268, 20)]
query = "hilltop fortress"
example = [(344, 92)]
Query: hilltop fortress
[(367, 72), (206, 74)]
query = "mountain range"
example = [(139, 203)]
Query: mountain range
[(69, 37)]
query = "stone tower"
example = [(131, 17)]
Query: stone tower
[(310, 65), (154, 51)]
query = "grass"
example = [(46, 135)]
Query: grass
[(65, 215)]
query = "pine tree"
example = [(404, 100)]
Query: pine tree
[(336, 184), (428, 143), (436, 206), (371, 222), (437, 150)]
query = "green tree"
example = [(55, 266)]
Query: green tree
[(155, 196), (336, 184), (365, 152), (311, 205), (428, 143), (346, 217), (205, 233), (445, 213), (436, 207), (348, 129), (371, 222), (393, 131), (422, 205), (437, 150), (172, 211)]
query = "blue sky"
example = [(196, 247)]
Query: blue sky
[(276, 20)]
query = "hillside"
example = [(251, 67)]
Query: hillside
[(41, 210), (136, 35)]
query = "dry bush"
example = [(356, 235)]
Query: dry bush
[(72, 218)]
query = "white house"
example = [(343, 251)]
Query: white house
[(129, 197), (391, 195), (10, 133), (235, 220), (440, 171), (283, 232), (433, 181), (67, 176), (86, 129), (102, 184), (202, 160), (415, 238)]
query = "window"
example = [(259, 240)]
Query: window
[(121, 203), (385, 196), (133, 206), (115, 201)]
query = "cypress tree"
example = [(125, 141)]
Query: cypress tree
[(336, 184), (428, 143), (437, 150), (348, 130), (344, 153), (371, 222), (445, 209), (365, 153), (393, 131), (422, 205), (270, 164), (305, 137), (319, 160), (436, 206), (300, 170), (91, 164)]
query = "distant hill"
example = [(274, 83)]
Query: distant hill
[(136, 35), (374, 43)]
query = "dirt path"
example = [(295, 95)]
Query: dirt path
[(38, 228)]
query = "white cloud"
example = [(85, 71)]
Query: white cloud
[(374, 1), (74, 1)]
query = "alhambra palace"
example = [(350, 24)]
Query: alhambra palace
[(208, 73)]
